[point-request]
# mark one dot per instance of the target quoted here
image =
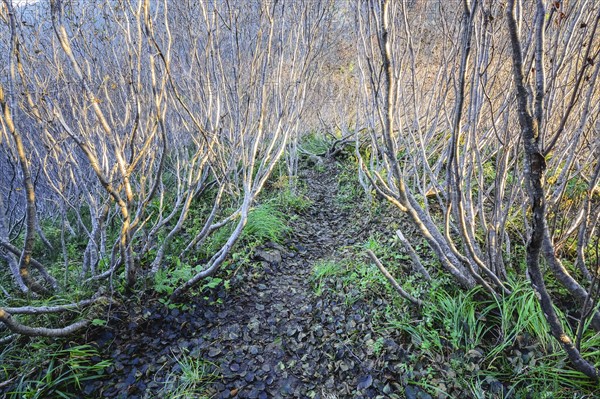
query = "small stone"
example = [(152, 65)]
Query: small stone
[(162, 359), (273, 257), (214, 351)]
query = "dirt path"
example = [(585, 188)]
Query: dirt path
[(271, 336)]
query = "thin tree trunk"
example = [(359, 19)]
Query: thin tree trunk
[(534, 172)]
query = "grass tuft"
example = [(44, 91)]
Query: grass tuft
[(57, 373), (191, 381), (323, 270), (265, 223)]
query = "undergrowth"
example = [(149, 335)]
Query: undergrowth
[(463, 344), (190, 378), (266, 223), (48, 367), (49, 370), (497, 347), (460, 343)]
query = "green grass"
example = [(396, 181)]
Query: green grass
[(167, 280), (265, 223), (350, 193), (289, 199), (323, 270), (481, 341), (462, 343), (356, 280), (44, 367), (47, 372), (535, 361), (315, 143), (362, 280), (191, 381)]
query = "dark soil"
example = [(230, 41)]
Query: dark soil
[(268, 335)]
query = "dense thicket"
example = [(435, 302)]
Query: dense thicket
[(127, 124), (485, 113), (118, 116)]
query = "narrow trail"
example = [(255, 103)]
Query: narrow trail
[(284, 340), (271, 335)]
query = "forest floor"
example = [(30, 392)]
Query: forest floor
[(277, 329)]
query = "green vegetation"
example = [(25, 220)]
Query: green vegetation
[(315, 143), (152, 167), (52, 372), (321, 271), (191, 380), (47, 367), (463, 343), (355, 279), (265, 223), (166, 281), (468, 343), (350, 194), (288, 195)]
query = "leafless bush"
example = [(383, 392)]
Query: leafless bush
[(452, 143), (118, 115)]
